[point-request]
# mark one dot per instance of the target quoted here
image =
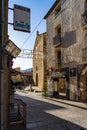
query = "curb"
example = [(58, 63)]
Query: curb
[(85, 108)]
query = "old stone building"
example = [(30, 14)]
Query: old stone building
[(39, 61), (26, 76), (16, 77), (67, 33)]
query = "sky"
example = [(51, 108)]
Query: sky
[(24, 40)]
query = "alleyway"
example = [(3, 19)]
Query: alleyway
[(45, 114)]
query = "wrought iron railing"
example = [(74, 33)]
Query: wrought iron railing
[(57, 40)]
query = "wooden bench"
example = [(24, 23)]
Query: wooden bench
[(18, 115)]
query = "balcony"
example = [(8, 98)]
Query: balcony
[(84, 54), (84, 20), (57, 40)]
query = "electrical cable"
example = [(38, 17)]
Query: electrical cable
[(31, 33)]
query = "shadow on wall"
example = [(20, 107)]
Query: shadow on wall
[(68, 39)]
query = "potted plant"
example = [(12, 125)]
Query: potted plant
[(45, 92)]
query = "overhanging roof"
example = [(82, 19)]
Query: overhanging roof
[(14, 72), (51, 9)]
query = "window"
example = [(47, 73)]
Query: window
[(58, 30), (57, 10)]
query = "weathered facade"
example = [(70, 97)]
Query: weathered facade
[(26, 78), (17, 77), (67, 34), (39, 60)]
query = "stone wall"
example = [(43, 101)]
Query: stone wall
[(72, 35), (73, 38), (38, 60)]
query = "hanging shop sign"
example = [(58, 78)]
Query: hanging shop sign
[(56, 75), (12, 49), (21, 18)]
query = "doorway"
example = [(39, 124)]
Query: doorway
[(36, 79)]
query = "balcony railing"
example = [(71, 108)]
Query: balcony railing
[(84, 54), (84, 20), (57, 40)]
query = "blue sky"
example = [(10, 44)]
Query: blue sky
[(38, 10)]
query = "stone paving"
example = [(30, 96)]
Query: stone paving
[(53, 114)]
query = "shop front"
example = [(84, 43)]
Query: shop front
[(56, 82)]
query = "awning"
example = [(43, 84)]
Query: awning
[(14, 72)]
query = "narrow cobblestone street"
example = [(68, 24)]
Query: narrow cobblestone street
[(45, 114)]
